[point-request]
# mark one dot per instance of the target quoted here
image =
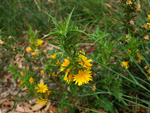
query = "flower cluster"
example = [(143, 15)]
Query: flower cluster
[(35, 51), (79, 72), (125, 64), (43, 89)]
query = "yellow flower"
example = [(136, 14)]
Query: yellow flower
[(129, 2), (42, 88), (31, 80), (53, 74), (33, 53), (84, 62), (48, 92), (45, 51), (148, 71), (139, 58), (21, 82), (135, 31), (28, 49), (148, 17), (69, 78), (148, 78), (64, 65), (83, 77), (39, 42), (58, 63), (148, 24), (21, 73), (53, 56), (42, 72), (32, 43), (129, 51), (41, 101), (124, 63)]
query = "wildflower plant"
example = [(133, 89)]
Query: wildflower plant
[(114, 75)]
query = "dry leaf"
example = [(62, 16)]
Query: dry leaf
[(23, 109), (37, 107), (138, 7), (146, 37), (6, 77), (47, 107), (131, 22), (5, 94), (3, 100), (52, 110)]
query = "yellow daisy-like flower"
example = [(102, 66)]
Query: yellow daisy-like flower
[(58, 63), (31, 80), (48, 92), (129, 2), (148, 17), (44, 51), (53, 56), (69, 78), (41, 101), (83, 77), (39, 42), (21, 82), (33, 53), (42, 88), (42, 72), (28, 49), (32, 43), (148, 71), (139, 58), (148, 24), (21, 73), (85, 62), (135, 31), (53, 74), (129, 51), (64, 65), (124, 63)]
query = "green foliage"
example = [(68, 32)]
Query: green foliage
[(50, 52)]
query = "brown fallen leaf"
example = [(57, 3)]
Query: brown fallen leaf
[(37, 107), (5, 110), (3, 100), (23, 109), (6, 77), (5, 94), (47, 106), (52, 110)]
